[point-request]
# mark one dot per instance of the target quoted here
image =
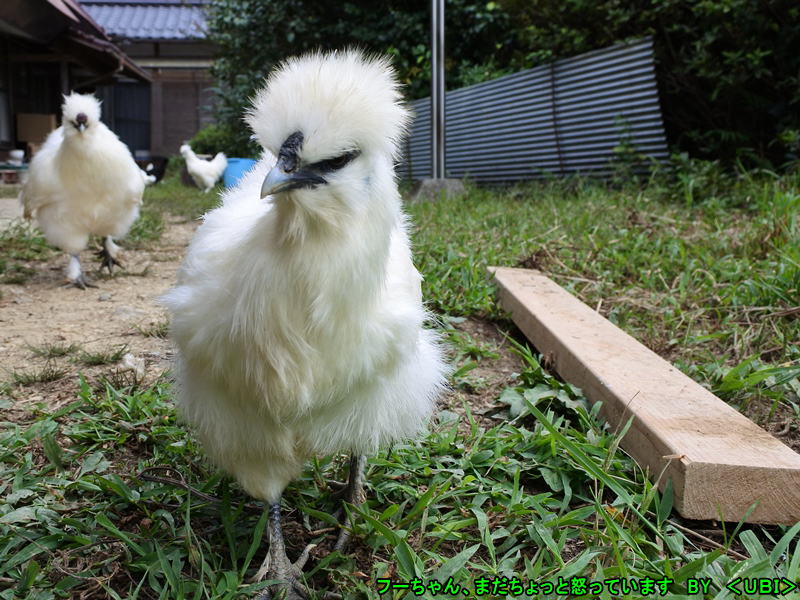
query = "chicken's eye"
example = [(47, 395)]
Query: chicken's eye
[(335, 163), (339, 161)]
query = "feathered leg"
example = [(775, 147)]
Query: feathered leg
[(109, 254), (277, 566), (353, 493), (75, 274)]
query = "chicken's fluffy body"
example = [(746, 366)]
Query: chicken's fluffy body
[(299, 317), (82, 182), (204, 173)]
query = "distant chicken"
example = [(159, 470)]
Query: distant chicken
[(298, 314), (204, 173), (147, 176), (82, 182)]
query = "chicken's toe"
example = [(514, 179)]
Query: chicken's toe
[(277, 567), (81, 282), (108, 261)]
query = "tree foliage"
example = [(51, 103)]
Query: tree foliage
[(728, 70), (253, 36)]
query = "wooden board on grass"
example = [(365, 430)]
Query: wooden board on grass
[(720, 462)]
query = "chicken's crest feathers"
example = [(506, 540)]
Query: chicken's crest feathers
[(340, 100), (75, 103)]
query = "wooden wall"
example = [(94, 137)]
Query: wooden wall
[(181, 105)]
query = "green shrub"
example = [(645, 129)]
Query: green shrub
[(222, 137), (727, 69), (252, 37)]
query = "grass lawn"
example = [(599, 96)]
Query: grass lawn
[(704, 269)]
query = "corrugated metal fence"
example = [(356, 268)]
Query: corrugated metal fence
[(562, 118)]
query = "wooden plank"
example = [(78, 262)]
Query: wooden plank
[(722, 462)]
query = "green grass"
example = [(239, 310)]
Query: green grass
[(14, 273), (703, 269), (147, 228), (542, 494), (465, 345), (171, 196), (156, 330), (56, 350), (102, 357), (20, 241), (49, 372)]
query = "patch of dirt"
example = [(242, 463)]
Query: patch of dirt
[(120, 312), (777, 419), (10, 208), (537, 260), (483, 385)]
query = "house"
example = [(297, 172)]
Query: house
[(166, 38), (47, 48)]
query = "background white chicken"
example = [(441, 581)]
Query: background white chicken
[(204, 173), (83, 181), (299, 317), (148, 178)]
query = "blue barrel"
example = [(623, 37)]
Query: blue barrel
[(235, 169)]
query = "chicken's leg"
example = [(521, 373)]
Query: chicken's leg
[(277, 566), (353, 493), (75, 274), (109, 254)]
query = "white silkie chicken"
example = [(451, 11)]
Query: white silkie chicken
[(298, 314), (204, 173), (83, 181)]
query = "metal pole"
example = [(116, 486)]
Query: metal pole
[(437, 89)]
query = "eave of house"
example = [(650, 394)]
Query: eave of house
[(64, 27), (175, 63)]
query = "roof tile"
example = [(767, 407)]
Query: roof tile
[(149, 21)]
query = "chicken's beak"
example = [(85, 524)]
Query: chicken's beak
[(277, 180), (81, 127)]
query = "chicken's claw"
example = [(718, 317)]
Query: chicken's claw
[(276, 565), (80, 282), (108, 261)]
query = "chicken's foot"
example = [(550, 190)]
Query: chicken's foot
[(276, 565), (109, 255), (353, 492), (75, 274)]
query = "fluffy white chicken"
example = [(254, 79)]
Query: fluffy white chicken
[(204, 173), (83, 181), (298, 313)]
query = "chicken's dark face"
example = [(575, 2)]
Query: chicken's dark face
[(81, 122), (292, 172)]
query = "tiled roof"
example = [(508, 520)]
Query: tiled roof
[(149, 20), (151, 2)]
